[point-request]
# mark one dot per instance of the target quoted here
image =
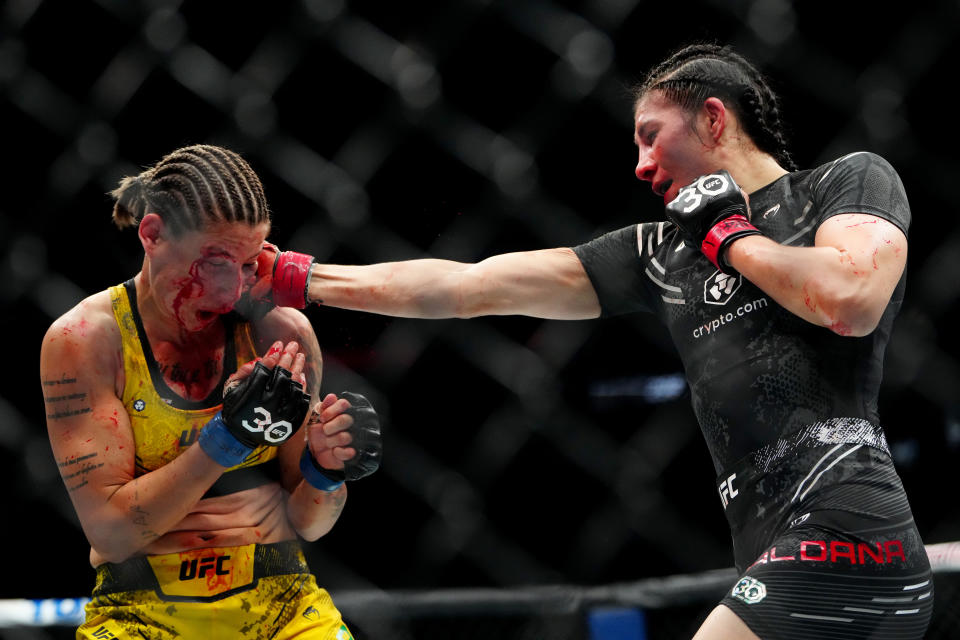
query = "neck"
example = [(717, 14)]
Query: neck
[(753, 169)]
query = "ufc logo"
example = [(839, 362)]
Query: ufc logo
[(727, 492), (274, 432), (103, 632), (190, 569), (692, 196), (712, 185)]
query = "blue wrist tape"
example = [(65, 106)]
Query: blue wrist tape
[(221, 445), (314, 477)]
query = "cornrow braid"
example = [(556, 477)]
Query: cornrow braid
[(696, 72), (193, 187)]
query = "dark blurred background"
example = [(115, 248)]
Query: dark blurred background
[(517, 451)]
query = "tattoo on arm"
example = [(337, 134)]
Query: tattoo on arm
[(140, 516), (339, 499), (313, 367), (60, 401), (63, 379), (70, 396), (67, 413), (76, 478)]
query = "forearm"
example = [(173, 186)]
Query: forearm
[(547, 283), (143, 509), (822, 284), (410, 289), (313, 512)]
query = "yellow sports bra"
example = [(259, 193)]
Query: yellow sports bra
[(165, 424)]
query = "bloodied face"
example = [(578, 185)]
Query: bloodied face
[(201, 274)]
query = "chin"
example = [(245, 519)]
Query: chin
[(194, 321)]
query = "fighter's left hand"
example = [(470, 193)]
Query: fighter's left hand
[(344, 436)]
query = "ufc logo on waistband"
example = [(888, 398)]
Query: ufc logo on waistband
[(727, 492), (190, 569)]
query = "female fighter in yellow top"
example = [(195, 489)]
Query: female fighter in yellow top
[(176, 442)]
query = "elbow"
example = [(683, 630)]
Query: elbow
[(112, 555), (310, 528), (853, 315), (113, 542), (314, 517), (112, 550), (312, 534)]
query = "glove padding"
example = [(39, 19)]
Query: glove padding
[(266, 408), (711, 213), (367, 443), (282, 280), (291, 278), (366, 437)]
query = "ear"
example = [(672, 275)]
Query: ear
[(715, 116), (152, 232)]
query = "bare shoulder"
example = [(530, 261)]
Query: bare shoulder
[(283, 324), (287, 325), (86, 335)]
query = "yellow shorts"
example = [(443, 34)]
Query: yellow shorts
[(251, 592)]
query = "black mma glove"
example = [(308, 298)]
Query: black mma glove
[(265, 408), (365, 431), (711, 213)]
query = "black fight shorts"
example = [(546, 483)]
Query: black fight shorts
[(824, 539)]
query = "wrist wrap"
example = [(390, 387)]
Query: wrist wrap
[(291, 277), (221, 445), (318, 477), (721, 235)]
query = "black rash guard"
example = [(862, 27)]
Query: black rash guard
[(756, 371)]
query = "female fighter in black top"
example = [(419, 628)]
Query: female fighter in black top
[(781, 311)]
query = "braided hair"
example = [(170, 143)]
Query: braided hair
[(191, 188), (696, 72)]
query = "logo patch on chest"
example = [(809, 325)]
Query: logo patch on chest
[(720, 287)]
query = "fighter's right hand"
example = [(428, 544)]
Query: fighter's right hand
[(711, 213), (282, 277), (266, 407)]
